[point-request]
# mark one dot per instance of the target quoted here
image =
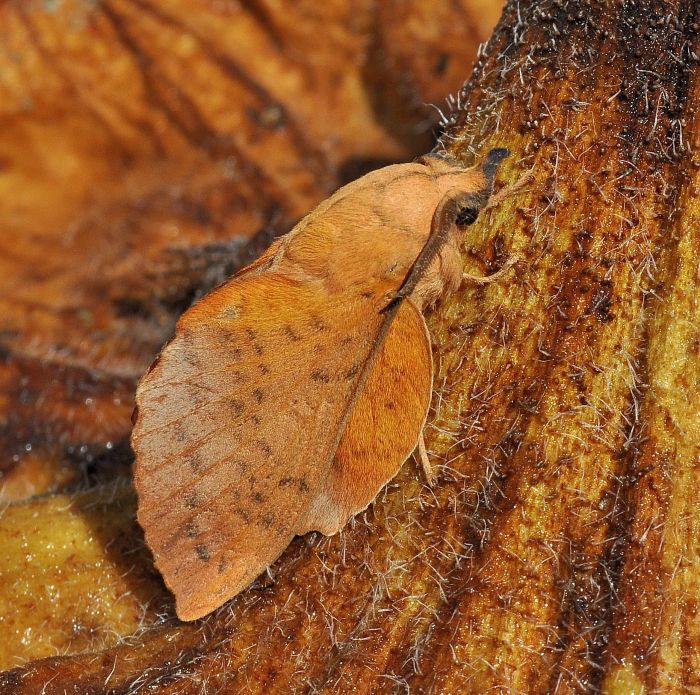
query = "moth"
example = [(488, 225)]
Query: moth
[(291, 394)]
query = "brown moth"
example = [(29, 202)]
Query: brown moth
[(294, 391)]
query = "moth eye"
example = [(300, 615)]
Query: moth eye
[(467, 216)]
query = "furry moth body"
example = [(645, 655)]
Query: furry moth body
[(293, 392)]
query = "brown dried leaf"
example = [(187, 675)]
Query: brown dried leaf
[(143, 145), (82, 553), (559, 552)]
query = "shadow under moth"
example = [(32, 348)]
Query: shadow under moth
[(291, 394)]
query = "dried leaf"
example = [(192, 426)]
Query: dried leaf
[(143, 146)]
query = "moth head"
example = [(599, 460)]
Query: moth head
[(469, 188), (477, 190), (476, 180), (443, 162)]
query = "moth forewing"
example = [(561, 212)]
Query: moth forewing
[(292, 393)]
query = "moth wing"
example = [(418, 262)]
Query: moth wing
[(238, 422), (383, 428)]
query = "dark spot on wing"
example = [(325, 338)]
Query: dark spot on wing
[(303, 485), (237, 407), (259, 395), (237, 376), (253, 336), (243, 513), (255, 419), (267, 520), (264, 447), (202, 552), (367, 294), (284, 482), (191, 529), (390, 405), (222, 565), (179, 432), (258, 497), (347, 340), (291, 333), (264, 369), (194, 460), (318, 323), (320, 375), (191, 501), (239, 466)]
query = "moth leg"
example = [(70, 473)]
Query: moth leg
[(425, 461), (507, 191), (493, 201), (494, 277)]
